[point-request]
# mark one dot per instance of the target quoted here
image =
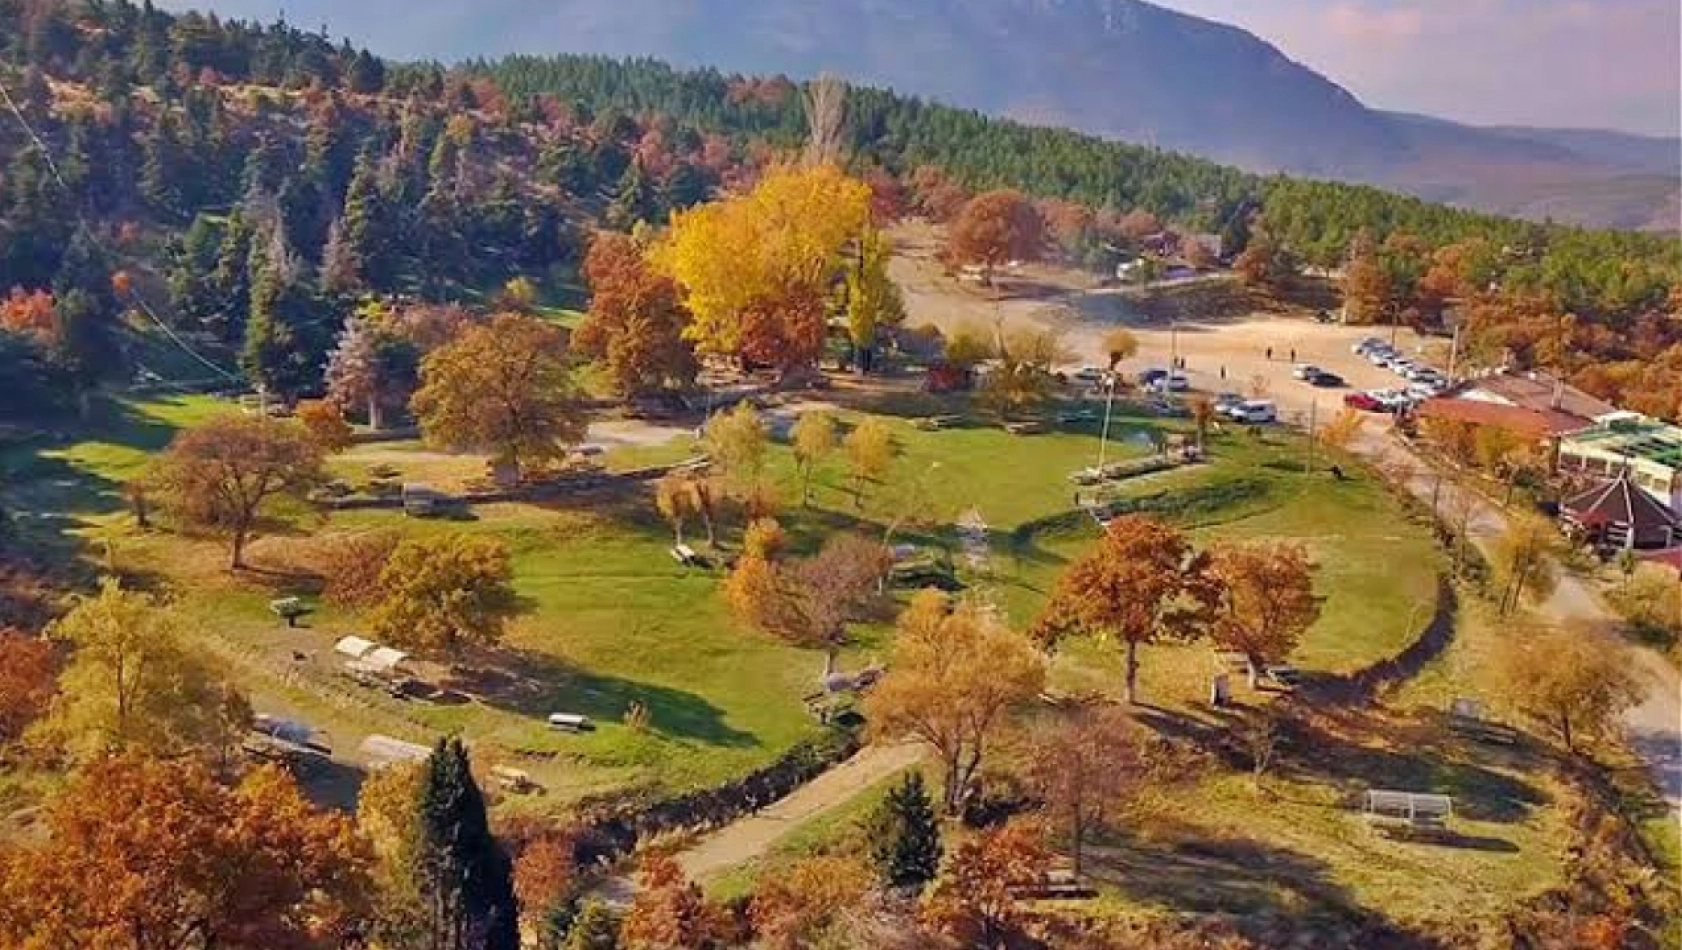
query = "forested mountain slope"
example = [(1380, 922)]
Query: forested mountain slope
[(246, 187), (1124, 69)]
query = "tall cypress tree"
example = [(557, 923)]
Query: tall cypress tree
[(230, 282), (466, 878), (285, 342), (633, 201), (905, 836)]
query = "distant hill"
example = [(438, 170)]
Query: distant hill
[(1120, 68)]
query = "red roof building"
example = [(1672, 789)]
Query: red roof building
[(1618, 514), (1537, 424)]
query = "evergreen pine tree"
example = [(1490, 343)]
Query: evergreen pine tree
[(285, 343), (366, 236), (466, 878), (341, 268), (192, 275), (160, 169), (230, 282), (905, 836), (684, 187), (633, 201)]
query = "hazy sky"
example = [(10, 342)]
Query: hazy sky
[(1593, 63)]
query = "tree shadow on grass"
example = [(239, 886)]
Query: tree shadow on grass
[(1185, 869), (534, 685), (1410, 757)]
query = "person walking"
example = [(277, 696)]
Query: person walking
[(1270, 354), (1293, 354)]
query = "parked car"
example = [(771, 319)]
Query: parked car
[(1172, 382), (1089, 374), (1225, 401), (1401, 366), (1381, 356), (1305, 371), (1254, 412), (1392, 400), (1367, 345), (1148, 377), (1364, 401), (1326, 380)]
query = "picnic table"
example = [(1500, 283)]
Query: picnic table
[(289, 609)]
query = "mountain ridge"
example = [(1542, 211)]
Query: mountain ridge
[(1125, 69)]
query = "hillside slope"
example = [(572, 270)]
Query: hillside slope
[(1125, 69)]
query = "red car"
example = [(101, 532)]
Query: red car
[(1363, 401)]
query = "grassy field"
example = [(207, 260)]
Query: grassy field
[(609, 619)]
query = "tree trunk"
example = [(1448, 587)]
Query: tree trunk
[(1077, 839), (237, 561), (374, 420), (707, 521), (1132, 673), (828, 663), (1253, 668), (677, 531)]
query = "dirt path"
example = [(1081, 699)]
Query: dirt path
[(748, 838)]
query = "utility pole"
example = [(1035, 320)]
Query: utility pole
[(1313, 412), (1109, 401), (1454, 351)]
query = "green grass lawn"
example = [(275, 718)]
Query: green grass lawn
[(610, 620)]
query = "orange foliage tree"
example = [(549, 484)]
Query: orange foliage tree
[(974, 901), (995, 228), (1142, 582), (1267, 600), (149, 854), (28, 677), (809, 902), (670, 912), (636, 321), (325, 424), (30, 312)]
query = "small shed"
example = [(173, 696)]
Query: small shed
[(1617, 514), (1413, 809), (355, 647)]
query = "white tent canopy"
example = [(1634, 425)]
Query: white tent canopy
[(384, 659), (355, 647)]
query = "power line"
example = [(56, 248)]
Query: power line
[(92, 235)]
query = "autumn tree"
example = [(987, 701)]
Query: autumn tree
[(1342, 430), (814, 437), (132, 683), (155, 854), (737, 443), (676, 498), (974, 901), (955, 672), (388, 817), (1119, 344), (324, 423), (669, 912), (466, 878), (905, 836), (636, 321), (1267, 600), (871, 450), (224, 474), (441, 592), (350, 564), (1523, 560), (504, 388), (756, 270), (968, 346), (28, 679), (1265, 265), (808, 903), (811, 601), (1573, 683), (1085, 767), (873, 299), (1141, 583), (1367, 290), (546, 876), (1203, 413), (1023, 374), (995, 228)]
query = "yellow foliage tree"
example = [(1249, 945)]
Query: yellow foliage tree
[(752, 266)]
